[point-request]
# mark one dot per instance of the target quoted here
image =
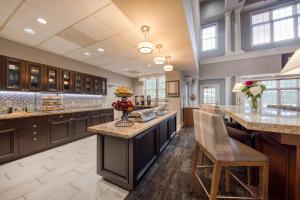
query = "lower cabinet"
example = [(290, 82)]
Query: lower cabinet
[(80, 124), (164, 135), (8, 140), (60, 129)]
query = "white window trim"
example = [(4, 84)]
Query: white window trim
[(271, 22), (217, 93), (156, 89), (217, 30)]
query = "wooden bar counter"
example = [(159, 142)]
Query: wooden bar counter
[(125, 153), (278, 137)]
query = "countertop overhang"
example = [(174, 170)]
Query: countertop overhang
[(46, 113), (267, 119), (128, 132)]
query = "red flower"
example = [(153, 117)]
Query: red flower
[(248, 83)]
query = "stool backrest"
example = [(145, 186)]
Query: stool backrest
[(211, 134)]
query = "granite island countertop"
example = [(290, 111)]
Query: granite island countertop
[(128, 132), (18, 115), (267, 119)]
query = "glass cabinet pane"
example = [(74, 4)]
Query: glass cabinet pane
[(52, 79), (96, 86), (103, 86), (66, 80), (78, 82), (88, 84), (13, 76), (35, 77)]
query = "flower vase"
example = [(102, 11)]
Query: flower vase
[(253, 104)]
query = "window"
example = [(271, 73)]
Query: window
[(156, 88), (209, 94), (275, 25), (209, 37)]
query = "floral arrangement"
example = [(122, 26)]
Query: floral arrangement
[(253, 90), (123, 105)]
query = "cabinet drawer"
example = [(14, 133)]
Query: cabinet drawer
[(62, 117), (33, 124), (28, 144), (33, 132)]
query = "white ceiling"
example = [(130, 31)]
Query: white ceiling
[(78, 26)]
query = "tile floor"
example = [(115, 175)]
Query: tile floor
[(66, 172)]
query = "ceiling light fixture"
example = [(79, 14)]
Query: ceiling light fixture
[(29, 30), (87, 53), (100, 50), (159, 60), (42, 21), (145, 47), (168, 67)]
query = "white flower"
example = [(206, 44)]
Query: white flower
[(255, 90)]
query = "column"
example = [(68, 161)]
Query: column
[(228, 49), (228, 91), (237, 31)]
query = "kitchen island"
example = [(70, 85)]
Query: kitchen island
[(125, 153), (278, 137)]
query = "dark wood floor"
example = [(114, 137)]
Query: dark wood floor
[(169, 175)]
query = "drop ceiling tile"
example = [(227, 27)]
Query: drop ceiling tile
[(67, 11), (74, 35), (115, 43), (14, 30), (112, 17), (8, 6), (58, 45), (3, 18), (94, 28), (102, 60), (30, 14), (133, 36), (80, 54), (92, 5)]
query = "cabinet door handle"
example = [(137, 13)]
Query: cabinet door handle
[(34, 139), (34, 126), (60, 116), (34, 132)]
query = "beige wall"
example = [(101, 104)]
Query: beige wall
[(138, 87), (13, 49)]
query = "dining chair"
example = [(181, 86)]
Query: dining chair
[(212, 141)]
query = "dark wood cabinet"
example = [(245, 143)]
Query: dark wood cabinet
[(87, 83), (103, 86), (96, 85), (80, 124), (66, 79), (13, 71), (60, 129), (35, 74), (164, 135), (52, 79), (172, 125), (20, 75), (8, 140), (78, 82), (103, 116)]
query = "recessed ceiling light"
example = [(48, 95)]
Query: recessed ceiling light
[(29, 30), (42, 21), (149, 65), (87, 53), (126, 69), (100, 49)]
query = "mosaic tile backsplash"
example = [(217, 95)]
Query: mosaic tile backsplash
[(32, 100)]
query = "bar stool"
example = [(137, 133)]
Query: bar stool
[(212, 140)]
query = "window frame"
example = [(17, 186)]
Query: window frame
[(295, 16), (157, 89), (202, 87), (216, 36)]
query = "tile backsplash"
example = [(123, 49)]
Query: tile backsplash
[(32, 100)]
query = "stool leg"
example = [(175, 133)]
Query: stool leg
[(215, 181), (264, 181), (194, 166), (227, 180)]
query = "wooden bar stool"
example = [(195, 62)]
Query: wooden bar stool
[(212, 140)]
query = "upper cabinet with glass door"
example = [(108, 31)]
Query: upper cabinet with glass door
[(67, 80), (104, 86), (12, 72), (78, 82), (96, 85), (87, 83), (52, 79), (35, 73)]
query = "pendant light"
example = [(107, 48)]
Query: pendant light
[(159, 60), (145, 47), (168, 67)]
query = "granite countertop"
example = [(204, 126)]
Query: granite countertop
[(267, 119), (127, 132), (46, 113)]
